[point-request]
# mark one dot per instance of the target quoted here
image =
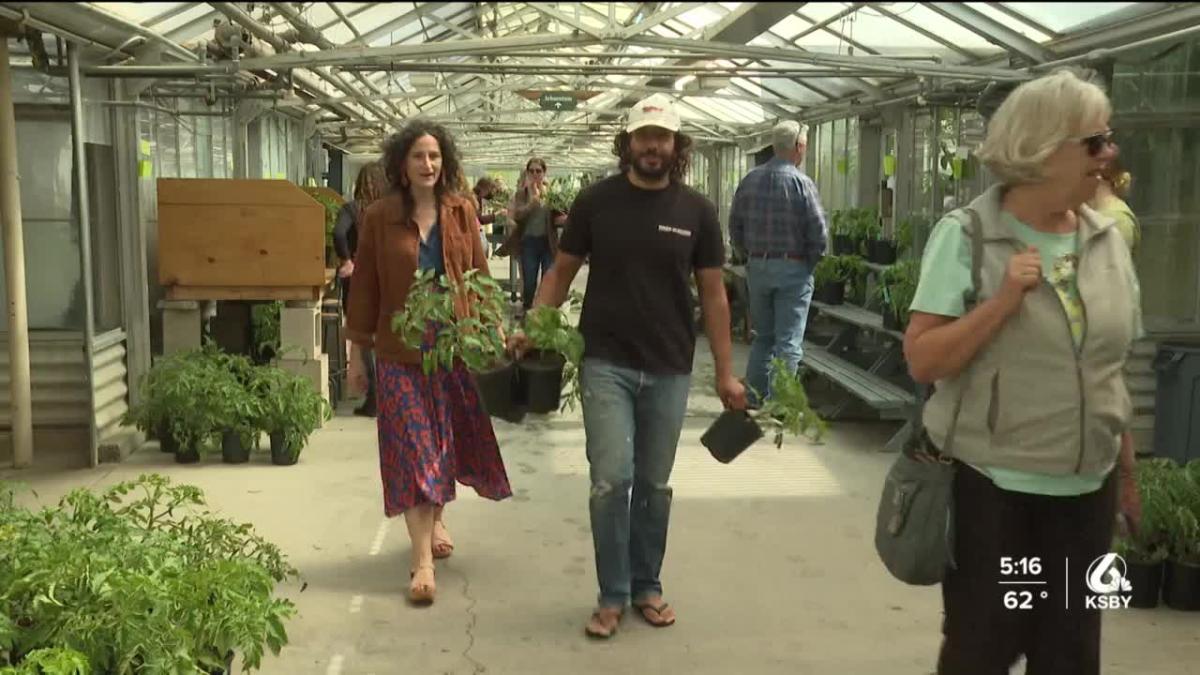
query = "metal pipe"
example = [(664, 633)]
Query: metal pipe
[(1105, 52), (159, 108), (20, 391), (82, 204), (7, 13)]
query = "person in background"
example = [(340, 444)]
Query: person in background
[(649, 235), (1025, 312), (534, 238), (433, 429), (1110, 202), (485, 189), (777, 224), (370, 185)]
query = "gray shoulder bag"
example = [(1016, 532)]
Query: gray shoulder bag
[(914, 526)]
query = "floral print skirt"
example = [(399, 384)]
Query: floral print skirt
[(434, 432)]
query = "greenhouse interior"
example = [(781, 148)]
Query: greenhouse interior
[(215, 355)]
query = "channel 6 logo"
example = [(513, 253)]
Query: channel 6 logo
[(1107, 578)]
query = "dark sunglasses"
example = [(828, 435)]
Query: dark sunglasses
[(1096, 143)]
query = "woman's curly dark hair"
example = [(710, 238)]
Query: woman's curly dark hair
[(395, 156), (679, 167)]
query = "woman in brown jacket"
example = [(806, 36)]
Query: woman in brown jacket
[(433, 429)]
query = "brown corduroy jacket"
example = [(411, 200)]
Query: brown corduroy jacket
[(387, 260)]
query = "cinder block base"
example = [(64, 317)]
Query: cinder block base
[(300, 332), (314, 370), (181, 325)]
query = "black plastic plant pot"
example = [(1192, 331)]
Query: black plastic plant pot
[(1181, 586), (1146, 580), (188, 455), (166, 442), (844, 244), (830, 293), (498, 389), (730, 435), (881, 251), (226, 670), (281, 452), (541, 378), (233, 451)]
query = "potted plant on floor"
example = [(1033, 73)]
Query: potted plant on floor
[(291, 410), (238, 407), (136, 578), (550, 372), (896, 290), (785, 411), (477, 340), (1146, 548), (830, 277), (1181, 581)]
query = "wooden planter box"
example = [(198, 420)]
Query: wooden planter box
[(239, 239)]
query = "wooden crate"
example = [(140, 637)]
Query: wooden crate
[(238, 239)]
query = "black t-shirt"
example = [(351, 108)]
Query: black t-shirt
[(645, 246)]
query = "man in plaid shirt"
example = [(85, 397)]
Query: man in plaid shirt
[(777, 224)]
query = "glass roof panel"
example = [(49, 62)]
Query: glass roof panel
[(1063, 16), (168, 25), (939, 25), (139, 12), (1008, 21)]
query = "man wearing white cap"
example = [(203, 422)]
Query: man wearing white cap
[(647, 234)]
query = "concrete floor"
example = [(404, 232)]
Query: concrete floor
[(770, 565)]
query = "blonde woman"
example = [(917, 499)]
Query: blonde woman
[(1110, 202), (1025, 312)]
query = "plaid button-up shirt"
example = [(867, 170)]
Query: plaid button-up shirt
[(776, 211)]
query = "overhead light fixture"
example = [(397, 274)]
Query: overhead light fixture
[(684, 81)]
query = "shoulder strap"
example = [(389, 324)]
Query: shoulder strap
[(970, 299)]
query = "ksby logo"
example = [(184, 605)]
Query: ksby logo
[(1106, 577)]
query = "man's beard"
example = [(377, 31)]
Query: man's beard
[(665, 163)]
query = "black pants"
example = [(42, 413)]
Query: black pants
[(984, 637)]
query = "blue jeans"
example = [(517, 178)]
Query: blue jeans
[(780, 293), (632, 420), (535, 261)]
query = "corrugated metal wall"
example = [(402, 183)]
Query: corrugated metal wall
[(111, 385), (1140, 378), (60, 396)]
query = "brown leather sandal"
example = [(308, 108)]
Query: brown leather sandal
[(443, 547), (422, 594)]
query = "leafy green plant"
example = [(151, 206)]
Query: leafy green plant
[(1182, 519), (1150, 543), (191, 396), (841, 223), (560, 194), (288, 404), (550, 331), (897, 288), (264, 325), (477, 340), (138, 578), (332, 207), (866, 225), (787, 409), (838, 269), (51, 661)]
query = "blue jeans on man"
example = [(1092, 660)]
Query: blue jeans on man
[(536, 259), (633, 420), (781, 291)]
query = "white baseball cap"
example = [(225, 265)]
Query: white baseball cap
[(656, 110)]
